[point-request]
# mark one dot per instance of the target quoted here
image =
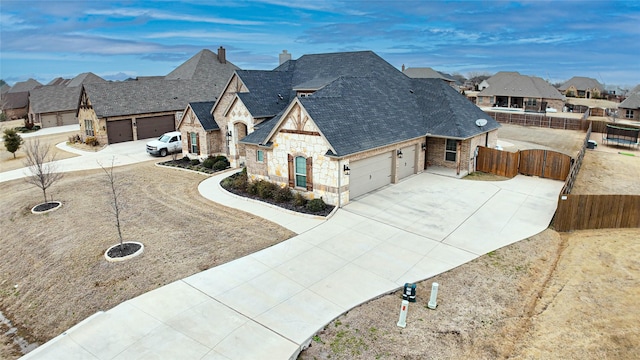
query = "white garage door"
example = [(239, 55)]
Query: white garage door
[(407, 165), (369, 174)]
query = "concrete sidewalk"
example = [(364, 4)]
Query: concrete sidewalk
[(269, 304), (121, 154)]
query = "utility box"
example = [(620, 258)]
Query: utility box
[(591, 144), (409, 292)]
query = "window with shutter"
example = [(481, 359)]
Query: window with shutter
[(291, 173), (309, 173)]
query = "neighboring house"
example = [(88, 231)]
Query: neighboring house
[(429, 73), (4, 88), (510, 89), (630, 108), (15, 102), (339, 125), (150, 106), (55, 104), (582, 87)]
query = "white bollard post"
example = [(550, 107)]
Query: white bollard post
[(402, 322), (434, 294)]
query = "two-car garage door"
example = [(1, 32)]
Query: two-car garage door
[(151, 127), (375, 172), (369, 174), (154, 127)]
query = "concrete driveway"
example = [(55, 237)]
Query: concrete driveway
[(126, 153), (269, 304)]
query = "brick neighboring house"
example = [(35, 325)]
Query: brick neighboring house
[(339, 125), (582, 87), (15, 102), (56, 103), (512, 90), (630, 108), (150, 106)]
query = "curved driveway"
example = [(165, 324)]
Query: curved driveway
[(269, 304)]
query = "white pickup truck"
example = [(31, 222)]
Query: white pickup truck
[(167, 143)]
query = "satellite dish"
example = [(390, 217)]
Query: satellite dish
[(481, 122)]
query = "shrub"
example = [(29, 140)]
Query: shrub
[(316, 205), (252, 188), (208, 163), (299, 199), (195, 162), (221, 165), (282, 194), (239, 183), (91, 141), (266, 189), (186, 158), (74, 139)]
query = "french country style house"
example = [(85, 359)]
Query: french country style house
[(336, 126)]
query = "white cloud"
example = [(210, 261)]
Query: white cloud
[(160, 15)]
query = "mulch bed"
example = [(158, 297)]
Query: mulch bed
[(187, 165), (46, 206), (285, 205), (125, 250)]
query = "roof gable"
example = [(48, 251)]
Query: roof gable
[(631, 102), (85, 78), (52, 98), (202, 111), (581, 83), (513, 84)]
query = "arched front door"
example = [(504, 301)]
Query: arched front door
[(240, 131)]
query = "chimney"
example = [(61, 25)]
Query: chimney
[(284, 57), (402, 67), (222, 55)]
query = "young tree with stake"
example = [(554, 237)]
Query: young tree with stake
[(42, 165)]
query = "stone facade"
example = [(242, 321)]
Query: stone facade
[(232, 116), (210, 141)]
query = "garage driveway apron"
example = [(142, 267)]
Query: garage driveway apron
[(269, 304)]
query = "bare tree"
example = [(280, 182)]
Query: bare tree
[(116, 199), (41, 163)]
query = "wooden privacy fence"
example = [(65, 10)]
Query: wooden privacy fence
[(539, 120), (579, 212), (502, 163), (543, 163)]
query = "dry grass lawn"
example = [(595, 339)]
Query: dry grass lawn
[(535, 299), (524, 137), (8, 162), (52, 265)]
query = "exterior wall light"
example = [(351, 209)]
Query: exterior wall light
[(424, 146), (346, 169), (399, 154)]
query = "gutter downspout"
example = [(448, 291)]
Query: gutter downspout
[(339, 194)]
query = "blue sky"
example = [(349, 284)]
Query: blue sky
[(554, 40)]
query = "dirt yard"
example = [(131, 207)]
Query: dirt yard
[(52, 265), (8, 162), (516, 137), (535, 299)]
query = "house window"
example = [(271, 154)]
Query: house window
[(531, 102), (301, 171), (480, 99), (629, 114), (88, 128), (450, 150), (260, 156), (194, 143)]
